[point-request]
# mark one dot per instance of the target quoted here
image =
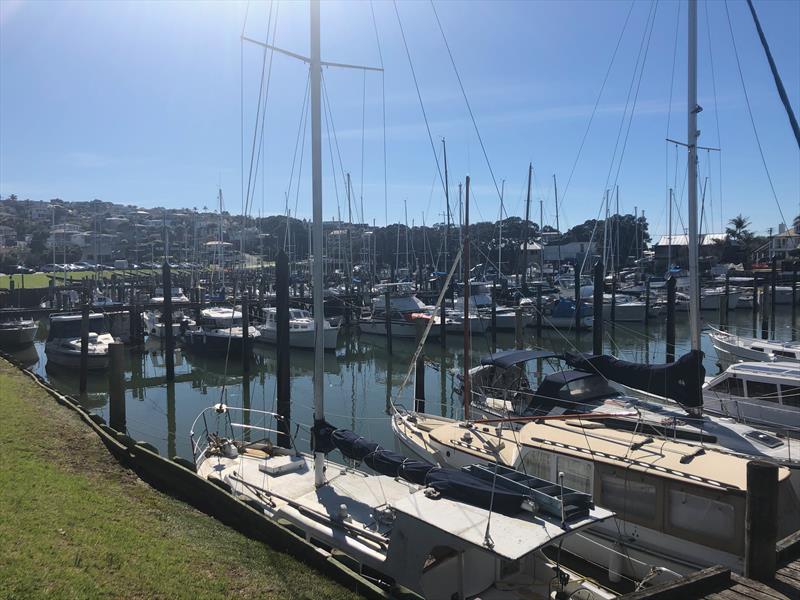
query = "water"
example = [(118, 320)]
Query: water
[(361, 378)]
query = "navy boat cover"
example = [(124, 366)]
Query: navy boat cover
[(680, 381)]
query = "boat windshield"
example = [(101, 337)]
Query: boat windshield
[(71, 328)]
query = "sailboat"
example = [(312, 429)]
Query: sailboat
[(442, 533), (671, 493)]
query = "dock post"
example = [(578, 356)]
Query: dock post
[(519, 329), (387, 298), (772, 296), (794, 301), (11, 286), (597, 325), (613, 314), (755, 305), (245, 332), (419, 373), (442, 324), (646, 299), (166, 318), (116, 387), (494, 316), (283, 384), (84, 365), (670, 319), (764, 315), (539, 310), (577, 300), (727, 301), (761, 520)]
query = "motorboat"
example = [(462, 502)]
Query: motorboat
[(301, 329), (732, 348), (176, 294), (710, 299), (403, 311), (559, 313), (678, 507), (480, 310), (17, 332), (219, 331), (765, 394), (181, 320), (63, 347)]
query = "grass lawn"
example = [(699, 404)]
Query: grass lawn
[(41, 280), (75, 524)]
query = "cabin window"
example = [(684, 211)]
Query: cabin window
[(790, 395), (628, 497), (701, 515), (736, 387), (721, 387), (784, 353), (578, 474), (764, 391)]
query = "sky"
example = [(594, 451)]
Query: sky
[(155, 103)]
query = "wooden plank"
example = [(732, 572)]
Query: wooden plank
[(695, 585), (758, 586), (791, 582), (749, 592), (789, 547)]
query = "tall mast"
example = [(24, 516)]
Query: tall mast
[(605, 234), (500, 238), (669, 246), (558, 227), (527, 231), (467, 334), (692, 110), (616, 235), (541, 239), (446, 268), (316, 195)]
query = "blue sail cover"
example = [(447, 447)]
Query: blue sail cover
[(681, 381), (450, 483)]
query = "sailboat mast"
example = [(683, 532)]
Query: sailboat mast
[(500, 236), (467, 334), (693, 109), (527, 231), (316, 195), (446, 268), (669, 246), (558, 227)]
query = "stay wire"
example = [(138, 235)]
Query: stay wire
[(383, 115)]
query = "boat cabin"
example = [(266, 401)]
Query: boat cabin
[(775, 383), (69, 326)]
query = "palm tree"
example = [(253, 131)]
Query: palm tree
[(738, 229)]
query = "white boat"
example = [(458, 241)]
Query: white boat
[(710, 299), (220, 331), (18, 332), (63, 347), (176, 296), (678, 509), (765, 394), (301, 329), (480, 310), (404, 310), (154, 325), (559, 313), (732, 348), (626, 310)]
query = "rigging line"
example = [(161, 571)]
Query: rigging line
[(249, 202), (669, 106), (363, 120), (419, 96), (333, 170), (750, 113), (596, 103), (628, 98), (297, 141), (302, 155), (383, 115), (329, 108), (241, 102), (466, 100), (716, 110), (636, 95), (258, 112)]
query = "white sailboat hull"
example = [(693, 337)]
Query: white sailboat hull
[(300, 338)]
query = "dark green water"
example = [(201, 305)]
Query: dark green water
[(361, 378)]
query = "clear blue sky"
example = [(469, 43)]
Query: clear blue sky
[(139, 102)]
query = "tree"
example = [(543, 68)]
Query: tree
[(738, 229)]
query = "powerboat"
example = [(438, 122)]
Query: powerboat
[(732, 348), (301, 329), (220, 331), (17, 332), (63, 347), (403, 311)]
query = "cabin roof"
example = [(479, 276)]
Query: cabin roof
[(509, 358), (775, 369), (77, 317)]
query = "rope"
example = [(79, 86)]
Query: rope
[(750, 113)]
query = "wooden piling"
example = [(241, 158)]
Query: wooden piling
[(84, 364), (245, 333), (772, 295), (794, 301), (116, 387), (494, 316), (519, 329), (419, 372), (761, 520), (597, 325), (284, 361), (670, 357), (166, 318), (613, 314), (577, 300), (387, 299)]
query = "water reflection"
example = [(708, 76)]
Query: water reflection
[(361, 378)]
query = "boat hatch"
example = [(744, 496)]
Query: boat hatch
[(770, 441)]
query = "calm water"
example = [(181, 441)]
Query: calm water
[(361, 378)]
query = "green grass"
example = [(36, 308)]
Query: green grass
[(75, 524), (41, 280)]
